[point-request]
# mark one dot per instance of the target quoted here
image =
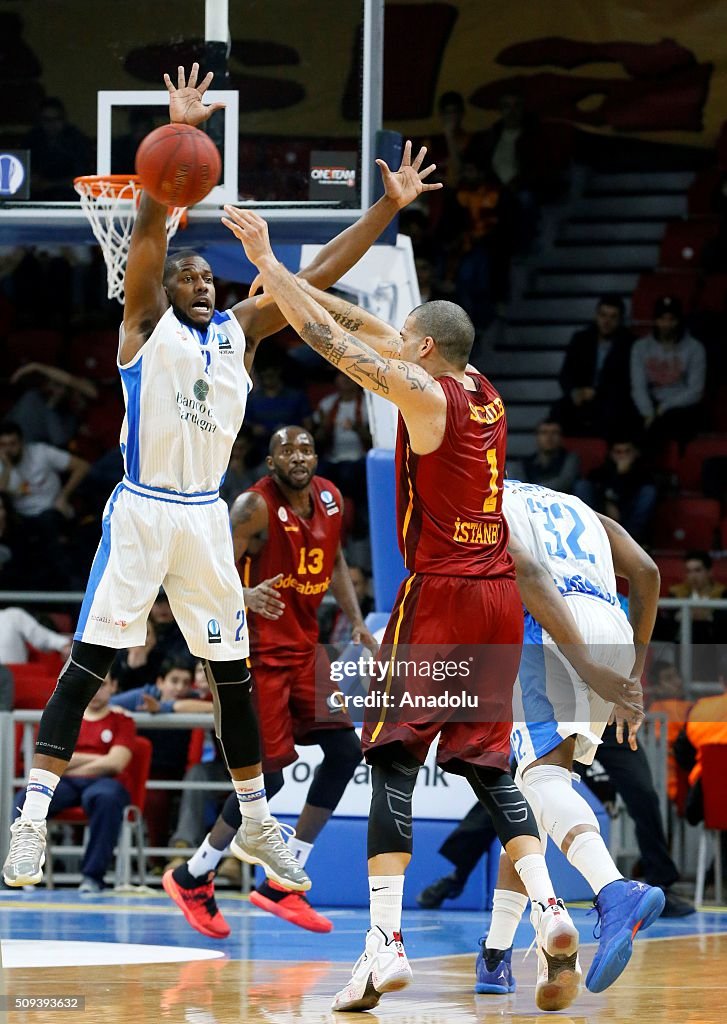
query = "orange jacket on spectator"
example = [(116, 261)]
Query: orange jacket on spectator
[(707, 723), (676, 712)]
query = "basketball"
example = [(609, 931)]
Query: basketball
[(178, 165)]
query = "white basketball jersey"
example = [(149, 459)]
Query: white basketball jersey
[(185, 393), (565, 536)]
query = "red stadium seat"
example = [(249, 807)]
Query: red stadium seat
[(93, 354), (592, 451), (714, 772), (655, 286), (697, 452), (687, 523), (671, 568), (701, 193), (33, 685), (681, 247), (33, 346), (712, 296)]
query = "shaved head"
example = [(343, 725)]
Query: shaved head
[(289, 435)]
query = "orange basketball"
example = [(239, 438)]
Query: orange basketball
[(178, 164)]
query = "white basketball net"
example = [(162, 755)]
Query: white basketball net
[(110, 205)]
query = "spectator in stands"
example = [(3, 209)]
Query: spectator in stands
[(515, 159), (272, 405), (666, 697), (97, 780), (594, 377), (59, 152), (707, 723), (460, 146), (31, 474), (11, 559), (18, 629), (667, 377), (342, 433), (243, 470), (171, 693), (622, 488), (709, 625), (49, 410), (169, 641), (136, 666), (551, 464)]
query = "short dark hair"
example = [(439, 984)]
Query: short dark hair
[(450, 99), (275, 439), (174, 661), (699, 556), (450, 327), (171, 263), (612, 300), (10, 427)]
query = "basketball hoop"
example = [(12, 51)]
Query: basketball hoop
[(110, 202)]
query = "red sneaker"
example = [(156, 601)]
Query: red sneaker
[(198, 905), (291, 906)]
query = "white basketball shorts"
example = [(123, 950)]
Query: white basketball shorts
[(152, 538), (551, 702)]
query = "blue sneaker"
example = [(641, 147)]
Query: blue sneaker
[(493, 971), (623, 908)]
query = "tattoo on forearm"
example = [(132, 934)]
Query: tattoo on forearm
[(343, 317)]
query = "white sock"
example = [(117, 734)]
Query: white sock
[(386, 893), (39, 793), (252, 799), (589, 855), (507, 910), (300, 850), (204, 859), (534, 876)]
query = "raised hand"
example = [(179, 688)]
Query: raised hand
[(185, 100), (252, 231), (404, 185)]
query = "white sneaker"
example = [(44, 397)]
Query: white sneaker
[(382, 967), (559, 971), (26, 856)]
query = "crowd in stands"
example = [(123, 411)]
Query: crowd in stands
[(626, 435)]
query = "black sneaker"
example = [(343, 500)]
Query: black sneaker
[(447, 888), (675, 906)]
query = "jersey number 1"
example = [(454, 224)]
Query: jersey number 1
[(490, 504)]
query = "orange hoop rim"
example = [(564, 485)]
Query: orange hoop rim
[(114, 183)]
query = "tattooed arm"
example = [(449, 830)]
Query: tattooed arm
[(417, 394)]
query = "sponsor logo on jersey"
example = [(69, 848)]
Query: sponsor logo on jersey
[(307, 589), (225, 343), (283, 514), (121, 623), (106, 735), (196, 412), (475, 533), (330, 503), (101, 618), (581, 585), (490, 413), (214, 633), (291, 529), (201, 390)]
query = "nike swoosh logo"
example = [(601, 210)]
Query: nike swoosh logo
[(379, 888)]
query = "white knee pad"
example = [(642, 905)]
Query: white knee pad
[(558, 808)]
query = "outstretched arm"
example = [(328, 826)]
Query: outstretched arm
[(145, 300), (344, 251), (419, 396)]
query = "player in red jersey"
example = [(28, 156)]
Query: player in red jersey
[(461, 590), (287, 530)]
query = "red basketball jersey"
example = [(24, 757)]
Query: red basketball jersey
[(449, 503), (304, 550)]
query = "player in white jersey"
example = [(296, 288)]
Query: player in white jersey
[(185, 374), (559, 719)]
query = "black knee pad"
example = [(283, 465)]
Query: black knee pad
[(235, 719), (393, 777), (510, 812), (80, 678), (342, 756)]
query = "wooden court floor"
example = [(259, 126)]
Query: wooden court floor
[(669, 981)]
